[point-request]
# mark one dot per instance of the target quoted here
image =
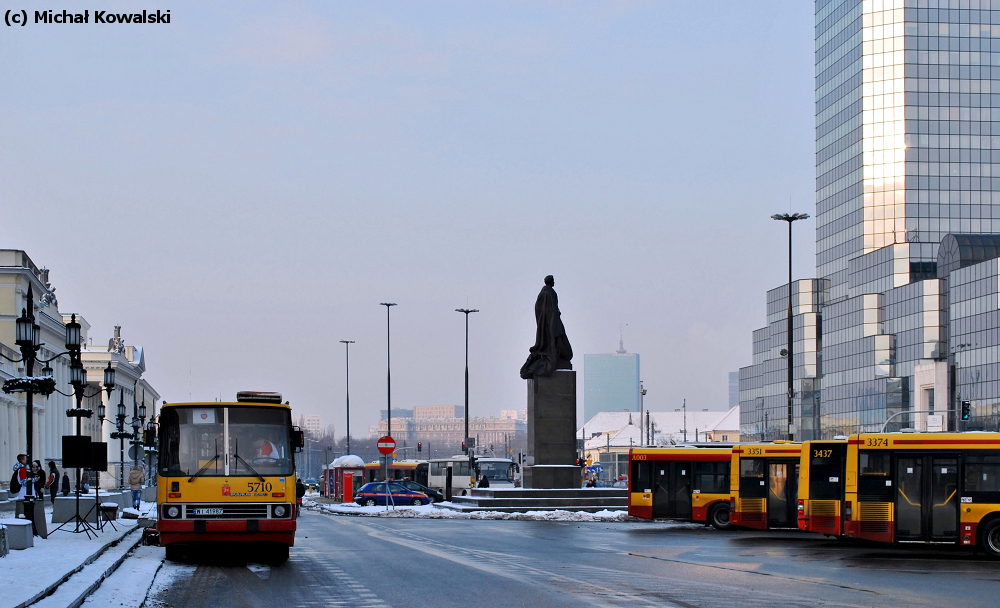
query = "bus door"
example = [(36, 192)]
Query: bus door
[(927, 498), (827, 471), (671, 489), (782, 493)]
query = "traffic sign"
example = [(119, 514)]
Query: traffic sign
[(386, 445)]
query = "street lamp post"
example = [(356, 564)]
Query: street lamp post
[(790, 218), (642, 400), (347, 386), (466, 312), (388, 374), (29, 339)]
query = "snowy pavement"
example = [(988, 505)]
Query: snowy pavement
[(432, 511)]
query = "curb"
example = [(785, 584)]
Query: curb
[(52, 588)]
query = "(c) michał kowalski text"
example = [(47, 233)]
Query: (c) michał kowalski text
[(102, 17)]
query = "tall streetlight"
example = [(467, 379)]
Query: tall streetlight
[(347, 384), (784, 217), (642, 399), (388, 374), (28, 337), (466, 311)]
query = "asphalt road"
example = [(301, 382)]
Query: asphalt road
[(350, 561)]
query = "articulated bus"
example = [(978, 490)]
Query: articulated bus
[(764, 484), (227, 474), (924, 488), (684, 482), (822, 478)]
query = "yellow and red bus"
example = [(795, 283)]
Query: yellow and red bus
[(924, 488), (227, 474), (690, 483), (822, 475), (764, 484), (414, 470)]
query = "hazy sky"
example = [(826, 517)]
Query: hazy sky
[(240, 189)]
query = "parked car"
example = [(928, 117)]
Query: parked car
[(372, 494), (434, 495)]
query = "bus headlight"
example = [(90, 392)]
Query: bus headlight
[(172, 511), (279, 511)]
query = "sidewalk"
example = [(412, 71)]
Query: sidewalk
[(41, 569)]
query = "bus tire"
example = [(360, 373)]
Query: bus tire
[(175, 553), (279, 554), (718, 517), (990, 537)]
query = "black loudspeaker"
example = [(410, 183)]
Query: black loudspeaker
[(76, 453), (99, 456)]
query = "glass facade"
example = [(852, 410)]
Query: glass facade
[(907, 204), (610, 383)]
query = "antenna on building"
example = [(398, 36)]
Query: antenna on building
[(621, 341)]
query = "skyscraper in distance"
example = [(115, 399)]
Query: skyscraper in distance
[(610, 382)]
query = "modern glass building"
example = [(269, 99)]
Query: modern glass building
[(900, 325), (610, 383)]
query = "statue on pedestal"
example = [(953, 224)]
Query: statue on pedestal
[(552, 349)]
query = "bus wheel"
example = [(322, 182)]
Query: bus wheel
[(718, 516), (991, 539), (370, 502), (279, 554), (175, 553)]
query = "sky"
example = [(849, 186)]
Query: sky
[(240, 189)]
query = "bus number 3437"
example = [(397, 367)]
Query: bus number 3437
[(259, 486)]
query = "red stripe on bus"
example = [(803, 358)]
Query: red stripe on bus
[(946, 441)]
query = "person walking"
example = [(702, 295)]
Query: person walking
[(19, 479), (85, 482), (484, 482), (52, 482), (135, 480), (64, 488)]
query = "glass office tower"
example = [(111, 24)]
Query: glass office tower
[(610, 383), (907, 92)]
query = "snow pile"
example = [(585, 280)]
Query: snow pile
[(434, 512)]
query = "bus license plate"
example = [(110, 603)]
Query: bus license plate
[(208, 511)]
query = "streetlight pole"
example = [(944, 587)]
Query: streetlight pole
[(785, 217), (642, 399), (388, 373), (466, 311), (347, 384)]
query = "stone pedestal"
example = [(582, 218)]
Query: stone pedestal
[(552, 432), (65, 508)]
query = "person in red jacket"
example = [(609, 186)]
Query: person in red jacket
[(21, 473)]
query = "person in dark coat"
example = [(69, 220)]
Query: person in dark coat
[(52, 483), (64, 487), (38, 479), (484, 482)]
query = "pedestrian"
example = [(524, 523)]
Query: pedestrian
[(300, 491), (484, 482), (135, 480), (85, 481), (19, 480), (38, 479), (52, 482), (65, 484)]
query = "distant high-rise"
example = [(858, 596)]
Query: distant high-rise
[(904, 313), (734, 389), (610, 382)]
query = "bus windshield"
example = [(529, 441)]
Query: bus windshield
[(497, 471), (193, 441)]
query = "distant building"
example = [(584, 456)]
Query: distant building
[(610, 382), (515, 414), (448, 432), (438, 411), (725, 429), (310, 423), (401, 413), (734, 389)]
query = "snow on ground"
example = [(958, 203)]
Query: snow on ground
[(170, 573), (129, 583), (434, 512), (51, 559)]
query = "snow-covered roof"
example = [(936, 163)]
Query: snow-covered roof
[(348, 461), (668, 427), (730, 421)]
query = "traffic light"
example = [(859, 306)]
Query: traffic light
[(464, 450), (966, 410), (420, 446)]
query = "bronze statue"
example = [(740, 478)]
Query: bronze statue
[(552, 350)]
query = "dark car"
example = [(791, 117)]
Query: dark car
[(372, 494), (434, 495)]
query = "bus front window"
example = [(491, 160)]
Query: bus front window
[(497, 471), (193, 440), (259, 441)]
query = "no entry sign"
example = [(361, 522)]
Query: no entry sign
[(386, 445)]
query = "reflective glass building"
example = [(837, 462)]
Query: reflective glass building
[(610, 383), (900, 326)]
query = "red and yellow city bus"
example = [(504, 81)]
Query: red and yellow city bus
[(227, 474), (924, 488), (822, 475), (414, 470), (764, 484), (690, 483)]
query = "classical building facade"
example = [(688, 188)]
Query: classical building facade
[(900, 325)]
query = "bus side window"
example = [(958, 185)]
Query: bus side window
[(982, 473), (641, 479), (874, 463)]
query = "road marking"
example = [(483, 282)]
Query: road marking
[(263, 572)]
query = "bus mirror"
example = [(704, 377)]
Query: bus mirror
[(299, 438)]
